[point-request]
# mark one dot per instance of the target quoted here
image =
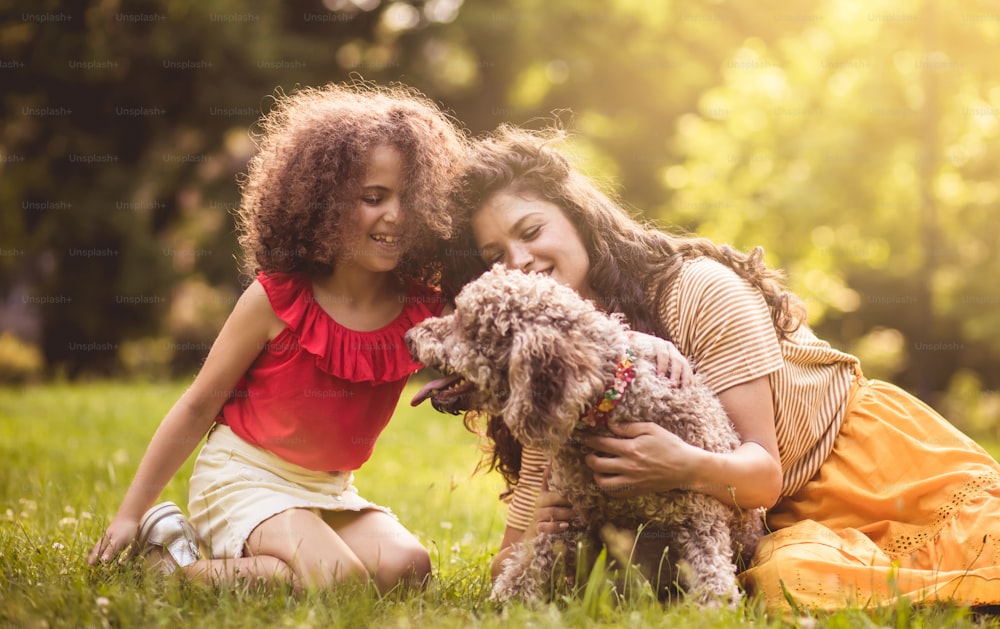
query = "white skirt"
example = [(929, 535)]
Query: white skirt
[(235, 486)]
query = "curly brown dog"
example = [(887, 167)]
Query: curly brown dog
[(552, 364)]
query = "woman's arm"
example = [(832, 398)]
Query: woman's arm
[(251, 324), (552, 515), (723, 324), (511, 537), (647, 458)]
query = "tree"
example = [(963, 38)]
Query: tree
[(858, 152), (855, 142), (124, 128)]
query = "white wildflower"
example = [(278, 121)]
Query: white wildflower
[(120, 457)]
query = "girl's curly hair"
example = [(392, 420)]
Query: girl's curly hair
[(632, 264), (305, 180)]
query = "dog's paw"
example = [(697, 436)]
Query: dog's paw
[(721, 594), (508, 590)]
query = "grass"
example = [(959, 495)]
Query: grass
[(69, 451)]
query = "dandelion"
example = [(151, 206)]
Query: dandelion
[(58, 546), (120, 457), (67, 522), (446, 526)]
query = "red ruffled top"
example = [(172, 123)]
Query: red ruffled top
[(319, 394)]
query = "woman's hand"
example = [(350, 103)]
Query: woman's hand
[(670, 362), (553, 512), (642, 458), (121, 532)]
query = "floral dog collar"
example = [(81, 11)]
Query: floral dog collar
[(597, 415)]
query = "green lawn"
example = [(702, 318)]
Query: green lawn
[(69, 451)]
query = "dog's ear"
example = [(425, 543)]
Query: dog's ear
[(544, 404), (528, 410)]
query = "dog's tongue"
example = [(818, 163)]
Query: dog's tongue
[(428, 389)]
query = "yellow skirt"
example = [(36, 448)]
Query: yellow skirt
[(906, 506)]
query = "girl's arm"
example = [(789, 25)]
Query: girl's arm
[(647, 458), (251, 324)]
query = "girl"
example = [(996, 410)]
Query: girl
[(850, 524), (341, 207)]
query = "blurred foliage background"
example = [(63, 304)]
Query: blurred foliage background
[(856, 142)]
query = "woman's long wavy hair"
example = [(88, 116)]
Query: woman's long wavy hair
[(632, 265), (304, 182)]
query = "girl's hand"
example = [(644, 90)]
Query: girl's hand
[(642, 458), (670, 362), (121, 532)]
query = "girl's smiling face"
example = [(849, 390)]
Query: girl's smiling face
[(374, 241), (527, 233)]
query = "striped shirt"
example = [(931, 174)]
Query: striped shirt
[(723, 325)]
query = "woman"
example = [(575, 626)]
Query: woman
[(850, 525)]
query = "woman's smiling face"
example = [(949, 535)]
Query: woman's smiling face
[(533, 235)]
